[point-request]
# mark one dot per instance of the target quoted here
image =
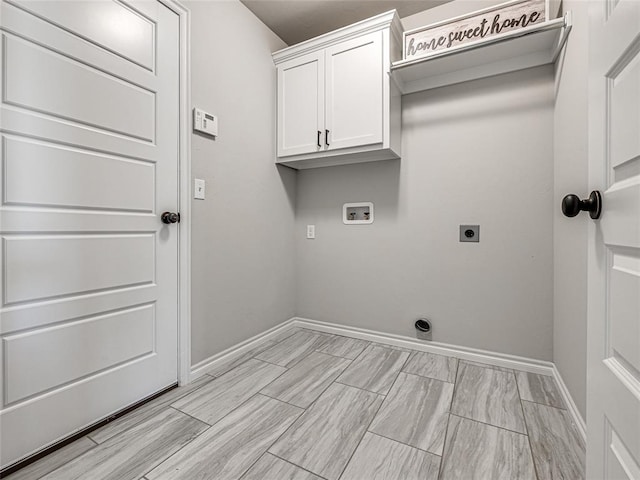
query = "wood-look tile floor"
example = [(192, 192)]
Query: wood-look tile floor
[(313, 406)]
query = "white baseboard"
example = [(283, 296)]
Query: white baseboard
[(578, 421), (464, 353), (203, 366)]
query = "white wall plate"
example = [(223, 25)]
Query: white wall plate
[(360, 213)]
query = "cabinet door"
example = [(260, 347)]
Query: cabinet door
[(354, 83), (301, 105)]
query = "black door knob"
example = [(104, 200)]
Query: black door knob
[(170, 217), (572, 205)]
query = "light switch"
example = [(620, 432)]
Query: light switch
[(311, 232), (198, 189)]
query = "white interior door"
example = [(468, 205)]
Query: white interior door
[(89, 132), (354, 90), (301, 105), (613, 386)]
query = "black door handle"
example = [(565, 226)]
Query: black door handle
[(572, 205), (170, 217), (326, 137), (319, 133)]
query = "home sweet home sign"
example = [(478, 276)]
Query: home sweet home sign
[(436, 38)]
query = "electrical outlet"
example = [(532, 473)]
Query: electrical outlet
[(469, 233), (311, 232)]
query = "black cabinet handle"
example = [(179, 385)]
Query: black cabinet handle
[(572, 205), (319, 133), (326, 137)]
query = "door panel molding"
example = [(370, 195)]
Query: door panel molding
[(97, 32), (58, 348), (26, 63), (108, 256), (110, 182), (619, 463)]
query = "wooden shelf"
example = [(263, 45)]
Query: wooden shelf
[(529, 47)]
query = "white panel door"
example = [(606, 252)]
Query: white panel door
[(301, 105), (354, 90), (89, 145), (613, 386)]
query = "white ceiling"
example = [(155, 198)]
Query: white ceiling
[(297, 20)]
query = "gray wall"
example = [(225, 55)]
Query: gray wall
[(478, 152), (446, 11), (456, 8), (242, 234), (570, 235)]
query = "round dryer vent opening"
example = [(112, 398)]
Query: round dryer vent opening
[(423, 329)]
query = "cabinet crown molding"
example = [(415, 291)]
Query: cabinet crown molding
[(389, 20)]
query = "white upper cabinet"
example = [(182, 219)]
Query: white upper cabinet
[(301, 104), (353, 73), (335, 101)]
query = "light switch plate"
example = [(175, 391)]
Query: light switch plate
[(311, 232), (198, 189)]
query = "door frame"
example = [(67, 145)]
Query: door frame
[(184, 192)]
